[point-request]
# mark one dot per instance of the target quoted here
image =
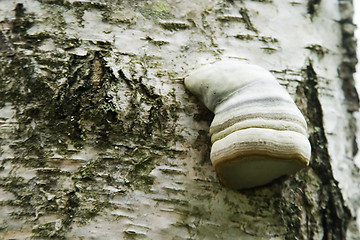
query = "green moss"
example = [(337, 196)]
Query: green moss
[(138, 172), (55, 116), (161, 6), (160, 9), (49, 230)]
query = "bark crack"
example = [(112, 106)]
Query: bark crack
[(335, 215)]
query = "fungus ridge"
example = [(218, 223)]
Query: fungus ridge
[(257, 126)]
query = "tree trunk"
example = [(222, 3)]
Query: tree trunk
[(99, 139)]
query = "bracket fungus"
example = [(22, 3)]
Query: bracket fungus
[(258, 134)]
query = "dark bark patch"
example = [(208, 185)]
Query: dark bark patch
[(312, 6), (334, 215)]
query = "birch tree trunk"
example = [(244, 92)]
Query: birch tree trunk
[(100, 140)]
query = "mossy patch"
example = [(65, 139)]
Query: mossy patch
[(157, 10)]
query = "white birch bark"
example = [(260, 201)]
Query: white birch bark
[(100, 140)]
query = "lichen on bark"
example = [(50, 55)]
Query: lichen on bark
[(98, 132)]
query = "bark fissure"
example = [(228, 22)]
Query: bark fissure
[(98, 132), (347, 68), (334, 211)]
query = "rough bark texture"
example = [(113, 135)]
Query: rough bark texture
[(100, 140)]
